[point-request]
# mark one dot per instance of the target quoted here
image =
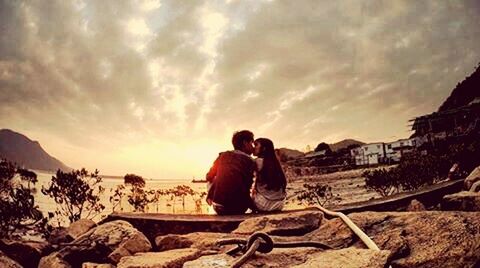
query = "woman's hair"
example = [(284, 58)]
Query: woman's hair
[(271, 173)]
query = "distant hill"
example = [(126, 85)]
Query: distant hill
[(18, 148), (464, 93), (285, 153), (344, 144)]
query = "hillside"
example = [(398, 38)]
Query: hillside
[(464, 93), (285, 153), (18, 148), (344, 144)]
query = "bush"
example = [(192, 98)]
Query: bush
[(414, 171), (77, 194), (315, 194), (382, 181), (17, 203)]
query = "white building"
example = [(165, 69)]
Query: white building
[(369, 154)]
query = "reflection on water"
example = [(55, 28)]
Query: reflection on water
[(166, 204)]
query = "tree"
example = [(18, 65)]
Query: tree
[(77, 194), (17, 203), (323, 147), (134, 180)]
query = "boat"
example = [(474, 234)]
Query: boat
[(198, 181)]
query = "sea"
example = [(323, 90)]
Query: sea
[(166, 204)]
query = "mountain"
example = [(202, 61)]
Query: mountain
[(344, 144), (18, 148), (285, 153), (464, 93)]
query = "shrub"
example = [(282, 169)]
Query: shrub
[(77, 194), (315, 194), (17, 203), (382, 181)]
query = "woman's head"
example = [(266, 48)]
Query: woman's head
[(271, 173), (264, 148)]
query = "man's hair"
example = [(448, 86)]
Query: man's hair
[(240, 137)]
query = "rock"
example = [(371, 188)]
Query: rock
[(279, 257), (27, 254), (463, 201), (106, 243), (199, 240), (6, 262), (211, 261), (59, 235), (416, 205), (167, 242), (79, 227), (472, 178), (137, 242), (53, 261), (166, 259), (347, 258), (97, 265), (415, 239), (295, 223)]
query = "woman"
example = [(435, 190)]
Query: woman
[(270, 182)]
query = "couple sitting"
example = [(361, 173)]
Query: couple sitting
[(230, 179)]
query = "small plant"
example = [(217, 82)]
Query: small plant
[(316, 194), (117, 197), (77, 194)]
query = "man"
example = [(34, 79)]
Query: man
[(231, 177)]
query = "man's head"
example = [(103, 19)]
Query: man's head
[(243, 141)]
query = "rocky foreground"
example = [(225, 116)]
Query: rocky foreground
[(406, 239), (448, 236)]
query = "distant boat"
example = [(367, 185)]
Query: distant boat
[(198, 181)]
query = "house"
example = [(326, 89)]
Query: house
[(316, 154), (396, 149), (369, 154)]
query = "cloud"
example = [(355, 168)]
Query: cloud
[(100, 75)]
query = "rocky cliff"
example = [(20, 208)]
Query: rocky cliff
[(20, 149)]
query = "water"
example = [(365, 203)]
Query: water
[(165, 204)]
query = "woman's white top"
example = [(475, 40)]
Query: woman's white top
[(267, 199)]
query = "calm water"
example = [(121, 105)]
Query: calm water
[(164, 205)]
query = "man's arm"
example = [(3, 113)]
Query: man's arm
[(213, 171)]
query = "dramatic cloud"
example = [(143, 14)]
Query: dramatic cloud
[(158, 87)]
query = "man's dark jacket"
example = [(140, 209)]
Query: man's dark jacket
[(231, 176)]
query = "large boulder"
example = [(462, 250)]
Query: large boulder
[(472, 178), (27, 254), (347, 258), (415, 239), (276, 258), (166, 259), (6, 262), (295, 223), (107, 243), (300, 257), (463, 201), (199, 240), (76, 229)]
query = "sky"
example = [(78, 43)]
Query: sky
[(157, 87)]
